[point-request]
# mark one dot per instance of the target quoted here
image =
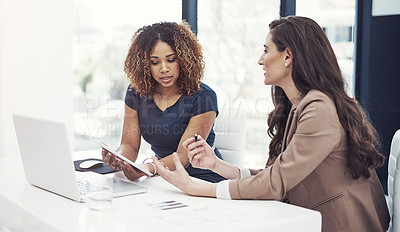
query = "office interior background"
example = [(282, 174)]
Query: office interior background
[(63, 60)]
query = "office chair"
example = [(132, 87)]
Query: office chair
[(230, 132), (393, 198)]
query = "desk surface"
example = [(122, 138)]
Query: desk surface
[(24, 207)]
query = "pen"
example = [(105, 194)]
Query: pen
[(195, 137)]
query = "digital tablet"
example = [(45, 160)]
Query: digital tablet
[(135, 166)]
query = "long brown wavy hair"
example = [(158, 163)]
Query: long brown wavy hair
[(315, 67), (185, 45)]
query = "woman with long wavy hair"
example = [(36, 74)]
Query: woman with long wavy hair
[(323, 151), (166, 102)]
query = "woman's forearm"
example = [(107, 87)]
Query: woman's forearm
[(227, 170), (128, 151), (168, 161), (201, 189)]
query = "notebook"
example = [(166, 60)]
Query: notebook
[(47, 159)]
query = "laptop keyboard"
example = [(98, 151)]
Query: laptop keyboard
[(82, 184), (82, 187)]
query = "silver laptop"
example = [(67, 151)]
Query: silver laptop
[(48, 163)]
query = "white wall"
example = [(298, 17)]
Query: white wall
[(35, 64)]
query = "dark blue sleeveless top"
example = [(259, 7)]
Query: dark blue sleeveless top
[(164, 129)]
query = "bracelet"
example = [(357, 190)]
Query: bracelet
[(154, 166)]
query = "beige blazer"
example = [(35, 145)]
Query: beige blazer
[(311, 172)]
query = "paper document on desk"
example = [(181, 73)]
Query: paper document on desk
[(207, 215), (167, 205), (183, 214)]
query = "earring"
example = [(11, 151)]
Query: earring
[(286, 65)]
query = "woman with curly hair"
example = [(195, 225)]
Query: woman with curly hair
[(166, 102), (324, 150)]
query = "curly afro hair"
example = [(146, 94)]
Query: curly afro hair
[(182, 41)]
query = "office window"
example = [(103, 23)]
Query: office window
[(232, 34), (337, 18), (103, 32)]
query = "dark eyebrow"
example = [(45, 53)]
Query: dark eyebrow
[(156, 57), (265, 46)]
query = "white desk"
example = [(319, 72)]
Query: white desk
[(26, 208)]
